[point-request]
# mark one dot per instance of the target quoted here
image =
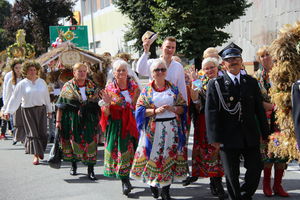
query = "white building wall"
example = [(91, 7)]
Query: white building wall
[(261, 24)]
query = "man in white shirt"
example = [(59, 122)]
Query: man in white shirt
[(175, 73)]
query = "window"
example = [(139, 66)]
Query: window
[(91, 45), (98, 4), (94, 5), (86, 7), (106, 3), (98, 44)]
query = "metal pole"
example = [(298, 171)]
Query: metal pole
[(92, 21)]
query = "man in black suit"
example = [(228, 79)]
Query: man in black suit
[(235, 122)]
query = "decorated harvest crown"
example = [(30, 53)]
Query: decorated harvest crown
[(285, 51), (20, 49)]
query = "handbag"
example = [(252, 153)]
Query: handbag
[(55, 154)]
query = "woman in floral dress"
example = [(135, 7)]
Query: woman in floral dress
[(119, 125), (77, 118), (205, 159), (161, 155)]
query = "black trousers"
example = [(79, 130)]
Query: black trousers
[(231, 163)]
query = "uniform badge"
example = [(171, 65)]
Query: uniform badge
[(231, 98)]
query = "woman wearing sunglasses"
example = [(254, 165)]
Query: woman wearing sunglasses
[(160, 158)]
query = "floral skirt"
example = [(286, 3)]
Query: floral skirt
[(166, 162), (206, 160), (118, 152)]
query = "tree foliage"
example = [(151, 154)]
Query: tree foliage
[(4, 13), (197, 24), (35, 17), (141, 21)]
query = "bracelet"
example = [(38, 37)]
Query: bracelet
[(57, 121)]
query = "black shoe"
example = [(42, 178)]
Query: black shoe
[(51, 140), (218, 188), (73, 170), (14, 142), (212, 187), (154, 191), (91, 173), (246, 197), (189, 180), (126, 186), (165, 193)]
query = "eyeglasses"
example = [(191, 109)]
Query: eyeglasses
[(209, 68), (121, 70), (160, 69)]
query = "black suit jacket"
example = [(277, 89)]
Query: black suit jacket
[(227, 129), (296, 109)]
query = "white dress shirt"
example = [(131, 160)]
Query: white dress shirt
[(232, 77), (29, 94), (175, 73)]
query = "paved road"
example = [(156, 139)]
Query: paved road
[(20, 180)]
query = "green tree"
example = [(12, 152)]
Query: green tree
[(196, 24), (5, 8), (35, 17), (141, 21)]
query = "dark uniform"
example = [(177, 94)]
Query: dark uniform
[(236, 119), (296, 109)]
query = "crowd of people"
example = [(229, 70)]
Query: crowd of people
[(146, 130)]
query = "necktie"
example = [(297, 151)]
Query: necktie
[(236, 82), (237, 85)]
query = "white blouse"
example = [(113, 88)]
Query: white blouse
[(29, 94), (175, 73), (164, 98), (7, 76), (82, 92), (125, 93), (9, 90)]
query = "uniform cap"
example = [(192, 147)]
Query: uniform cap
[(231, 51)]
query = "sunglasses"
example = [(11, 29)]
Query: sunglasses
[(160, 69)]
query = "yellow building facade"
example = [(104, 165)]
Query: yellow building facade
[(106, 26)]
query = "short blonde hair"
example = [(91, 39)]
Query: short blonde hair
[(124, 56), (262, 50), (30, 63), (209, 51), (170, 38), (78, 65)]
